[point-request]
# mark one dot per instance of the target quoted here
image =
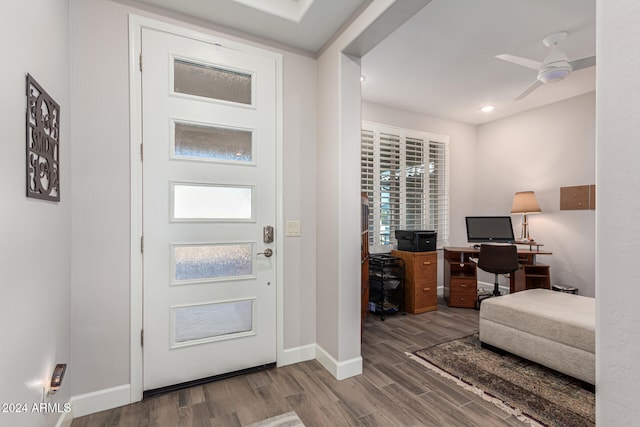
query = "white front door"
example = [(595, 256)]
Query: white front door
[(209, 191)]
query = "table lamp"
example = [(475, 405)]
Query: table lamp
[(525, 202)]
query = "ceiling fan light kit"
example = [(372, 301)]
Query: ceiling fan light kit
[(554, 74), (554, 68)]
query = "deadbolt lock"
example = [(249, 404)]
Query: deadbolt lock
[(267, 234)]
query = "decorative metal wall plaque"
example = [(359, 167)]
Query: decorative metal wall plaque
[(43, 140)]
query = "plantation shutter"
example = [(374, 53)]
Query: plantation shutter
[(415, 188), (438, 206), (366, 175), (405, 173), (389, 188)]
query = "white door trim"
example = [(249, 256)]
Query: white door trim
[(136, 23)]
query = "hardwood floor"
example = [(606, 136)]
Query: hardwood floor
[(393, 390)]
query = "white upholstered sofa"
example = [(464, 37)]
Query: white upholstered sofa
[(551, 328)]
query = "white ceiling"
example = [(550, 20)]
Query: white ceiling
[(441, 61), (303, 24)]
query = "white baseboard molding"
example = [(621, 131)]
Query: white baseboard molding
[(298, 354), (65, 419), (101, 400), (340, 370), (489, 287)]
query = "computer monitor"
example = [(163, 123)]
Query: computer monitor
[(489, 229)]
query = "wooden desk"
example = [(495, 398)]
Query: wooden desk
[(461, 275)]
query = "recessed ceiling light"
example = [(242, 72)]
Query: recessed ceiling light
[(487, 108)]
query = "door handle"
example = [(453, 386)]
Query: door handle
[(267, 252)]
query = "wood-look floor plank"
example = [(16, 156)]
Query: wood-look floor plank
[(260, 378), (185, 416), (388, 406), (377, 420), (285, 381), (313, 415), (460, 414), (392, 391), (225, 420), (200, 415), (163, 410), (273, 402), (405, 381), (132, 415), (354, 396), (340, 415), (415, 405), (105, 418), (387, 352), (219, 401), (479, 414), (252, 410), (375, 376), (313, 385), (488, 406), (449, 394)]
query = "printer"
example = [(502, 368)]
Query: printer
[(416, 240)]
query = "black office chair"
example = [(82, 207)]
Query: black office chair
[(497, 259)]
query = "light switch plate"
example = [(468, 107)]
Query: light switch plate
[(293, 228)]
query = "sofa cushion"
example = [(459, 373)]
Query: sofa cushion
[(561, 317)]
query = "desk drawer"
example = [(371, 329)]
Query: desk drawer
[(464, 286), (425, 266), (462, 301), (425, 297), (463, 293)]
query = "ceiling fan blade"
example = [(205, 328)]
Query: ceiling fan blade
[(587, 62), (533, 86), (525, 62)]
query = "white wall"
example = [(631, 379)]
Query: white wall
[(100, 199), (101, 207), (338, 292), (542, 150), (618, 214), (300, 200), (338, 188), (34, 235)]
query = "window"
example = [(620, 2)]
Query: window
[(405, 173)]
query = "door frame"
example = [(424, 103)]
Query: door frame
[(136, 24)]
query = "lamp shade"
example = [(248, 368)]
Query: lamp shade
[(525, 202)]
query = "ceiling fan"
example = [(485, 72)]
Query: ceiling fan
[(554, 68)]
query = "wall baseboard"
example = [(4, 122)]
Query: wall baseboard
[(65, 419), (340, 370), (489, 286), (101, 400), (298, 354)]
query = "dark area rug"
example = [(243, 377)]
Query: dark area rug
[(523, 388)]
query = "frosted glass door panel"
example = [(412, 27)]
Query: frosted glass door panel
[(211, 202), (198, 323), (211, 82), (202, 262), (213, 143)]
